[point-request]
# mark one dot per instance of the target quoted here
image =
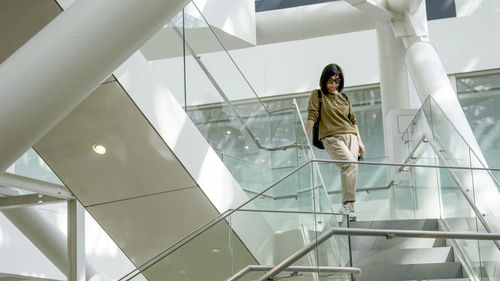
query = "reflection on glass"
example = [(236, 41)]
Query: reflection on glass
[(220, 252), (32, 166), (479, 96)]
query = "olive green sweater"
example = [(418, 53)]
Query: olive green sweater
[(334, 114)]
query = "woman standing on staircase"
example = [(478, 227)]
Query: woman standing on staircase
[(338, 130)]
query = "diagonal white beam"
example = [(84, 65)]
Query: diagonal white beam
[(7, 191), (36, 186), (62, 64)]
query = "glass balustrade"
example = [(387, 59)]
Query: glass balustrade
[(291, 214), (444, 145), (265, 231), (257, 145), (219, 252)]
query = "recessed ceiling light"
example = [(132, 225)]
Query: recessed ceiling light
[(247, 147), (99, 148), (228, 132), (278, 232), (215, 250)]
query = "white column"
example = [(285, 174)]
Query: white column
[(64, 62), (394, 90), (76, 241), (430, 78)]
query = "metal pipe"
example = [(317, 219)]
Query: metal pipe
[(404, 165), (36, 186), (317, 269), (394, 233)]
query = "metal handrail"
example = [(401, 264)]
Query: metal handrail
[(388, 233), (296, 269), (224, 215)]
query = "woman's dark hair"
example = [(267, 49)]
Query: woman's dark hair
[(329, 71)]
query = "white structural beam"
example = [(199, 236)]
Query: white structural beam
[(58, 67), (76, 241), (48, 239), (374, 8), (310, 21), (8, 191), (18, 201), (36, 186)]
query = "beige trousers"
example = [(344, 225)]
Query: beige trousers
[(345, 147)]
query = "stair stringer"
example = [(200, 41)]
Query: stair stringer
[(180, 134)]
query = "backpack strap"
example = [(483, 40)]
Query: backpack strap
[(347, 99), (320, 99)]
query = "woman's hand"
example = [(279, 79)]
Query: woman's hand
[(361, 148)]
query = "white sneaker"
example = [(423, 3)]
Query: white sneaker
[(348, 209)]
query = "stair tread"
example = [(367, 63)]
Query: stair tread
[(395, 272), (403, 256), (412, 224)]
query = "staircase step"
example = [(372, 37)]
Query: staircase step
[(368, 242), (403, 256), (397, 272), (416, 224)]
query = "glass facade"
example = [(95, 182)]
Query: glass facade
[(479, 95)]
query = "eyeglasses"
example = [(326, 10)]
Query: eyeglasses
[(336, 80)]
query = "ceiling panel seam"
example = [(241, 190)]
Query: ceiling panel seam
[(137, 197)]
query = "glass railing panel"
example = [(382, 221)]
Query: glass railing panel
[(404, 201), (209, 50), (287, 232), (30, 165), (218, 253), (426, 185), (207, 257), (336, 250), (251, 176), (373, 202), (450, 143), (484, 185), (490, 258), (293, 193), (417, 128), (458, 215)]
